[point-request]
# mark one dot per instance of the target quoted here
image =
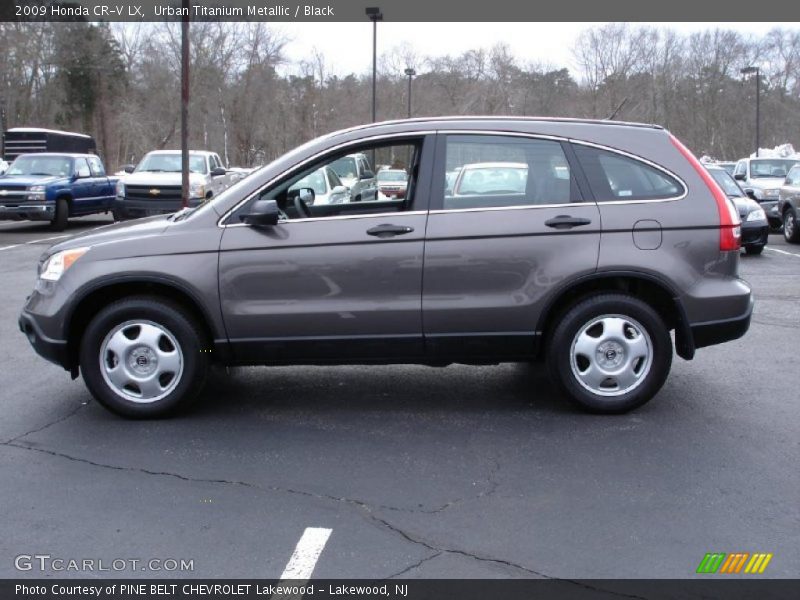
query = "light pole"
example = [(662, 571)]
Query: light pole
[(374, 14), (757, 71), (410, 72), (185, 106)]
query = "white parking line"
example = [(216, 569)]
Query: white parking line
[(784, 252), (306, 553), (47, 239)]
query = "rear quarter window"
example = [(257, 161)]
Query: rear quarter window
[(614, 177)]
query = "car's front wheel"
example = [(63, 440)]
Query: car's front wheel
[(144, 357), (791, 228), (754, 249), (610, 353)]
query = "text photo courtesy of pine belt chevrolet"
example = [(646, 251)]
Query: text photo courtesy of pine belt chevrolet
[(583, 244), (154, 185)]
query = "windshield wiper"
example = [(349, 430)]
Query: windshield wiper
[(40, 174)]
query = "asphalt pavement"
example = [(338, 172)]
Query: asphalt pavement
[(457, 472)]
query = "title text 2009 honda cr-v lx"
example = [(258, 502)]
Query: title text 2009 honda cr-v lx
[(580, 242)]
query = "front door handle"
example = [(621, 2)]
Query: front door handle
[(387, 230), (566, 222)]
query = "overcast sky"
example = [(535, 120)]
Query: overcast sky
[(347, 47)]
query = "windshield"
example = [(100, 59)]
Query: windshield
[(58, 166), (171, 163), (345, 167), (392, 176), (771, 167), (726, 182)]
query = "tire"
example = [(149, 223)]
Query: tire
[(59, 222), (119, 215), (591, 323), (144, 357), (791, 226), (754, 249)]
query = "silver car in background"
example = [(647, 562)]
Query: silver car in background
[(326, 185)]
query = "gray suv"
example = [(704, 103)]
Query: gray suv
[(584, 243)]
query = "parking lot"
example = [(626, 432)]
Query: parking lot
[(457, 472)]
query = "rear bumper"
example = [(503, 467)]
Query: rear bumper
[(725, 330), (32, 212), (53, 350)]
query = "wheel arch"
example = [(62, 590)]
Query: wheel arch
[(102, 293), (647, 287)]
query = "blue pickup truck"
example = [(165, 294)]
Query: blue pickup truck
[(54, 187)]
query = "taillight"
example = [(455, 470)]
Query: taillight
[(730, 225)]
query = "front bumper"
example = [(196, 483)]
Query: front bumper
[(724, 330), (53, 350), (755, 233), (145, 208), (32, 212)]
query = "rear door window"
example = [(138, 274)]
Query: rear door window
[(493, 171), (615, 176)]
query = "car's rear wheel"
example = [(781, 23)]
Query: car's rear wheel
[(754, 249), (791, 228), (144, 357), (610, 353), (59, 222)]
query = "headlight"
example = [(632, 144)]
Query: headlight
[(197, 190), (771, 193), (757, 214), (35, 192), (120, 189), (55, 266)]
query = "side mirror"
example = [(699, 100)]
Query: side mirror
[(367, 175), (340, 189), (218, 172), (128, 168), (263, 213), (306, 194), (81, 175), (750, 194), (739, 176)]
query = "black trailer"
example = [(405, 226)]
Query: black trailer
[(24, 140)]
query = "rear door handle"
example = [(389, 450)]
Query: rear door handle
[(387, 230), (566, 222)]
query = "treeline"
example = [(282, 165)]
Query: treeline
[(121, 83)]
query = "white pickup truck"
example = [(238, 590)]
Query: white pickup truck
[(154, 185)]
